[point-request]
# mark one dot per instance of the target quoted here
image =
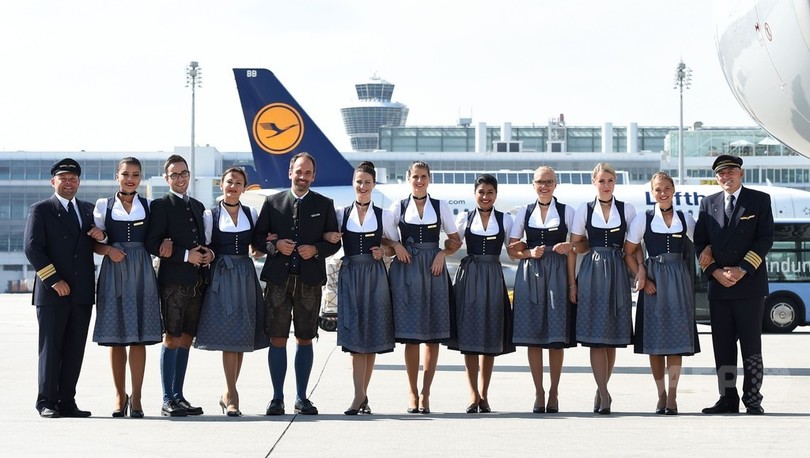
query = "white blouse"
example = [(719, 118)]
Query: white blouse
[(477, 226), (597, 220), (137, 212), (226, 224), (637, 229), (429, 215), (536, 219), (369, 223)]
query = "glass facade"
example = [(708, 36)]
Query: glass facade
[(750, 141), (461, 139)]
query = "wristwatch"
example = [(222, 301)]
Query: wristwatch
[(742, 270)]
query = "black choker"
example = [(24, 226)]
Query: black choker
[(542, 204), (666, 210), (230, 205), (604, 201), (481, 210), (419, 198), (122, 193), (361, 204)]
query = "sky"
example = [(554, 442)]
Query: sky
[(111, 76)]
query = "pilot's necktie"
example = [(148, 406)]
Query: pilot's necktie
[(729, 209), (73, 216)]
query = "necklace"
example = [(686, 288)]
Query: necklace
[(359, 204), (542, 204), (604, 201), (230, 205), (420, 198), (122, 193), (666, 210), (481, 210)]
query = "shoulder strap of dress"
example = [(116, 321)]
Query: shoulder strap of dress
[(437, 208), (145, 205), (346, 212)]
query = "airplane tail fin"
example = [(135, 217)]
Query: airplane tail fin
[(279, 128)]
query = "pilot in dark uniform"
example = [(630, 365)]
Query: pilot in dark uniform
[(59, 240), (734, 232)]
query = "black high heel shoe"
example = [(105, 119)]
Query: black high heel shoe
[(122, 412), (351, 411), (472, 408), (364, 408), (606, 410), (483, 406), (227, 411), (134, 413)]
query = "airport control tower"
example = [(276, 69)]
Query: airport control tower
[(373, 110)]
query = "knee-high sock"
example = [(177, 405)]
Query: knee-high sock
[(180, 372), (168, 361), (303, 366), (277, 360)]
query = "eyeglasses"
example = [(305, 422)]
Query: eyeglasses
[(546, 183), (175, 176)]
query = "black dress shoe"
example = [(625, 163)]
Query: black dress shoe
[(413, 410), (364, 408), (73, 412), (190, 409), (755, 410), (275, 407), (173, 409), (472, 408), (539, 409), (671, 411), (48, 412), (724, 405), (305, 407)]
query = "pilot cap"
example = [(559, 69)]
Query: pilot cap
[(66, 165), (725, 161)]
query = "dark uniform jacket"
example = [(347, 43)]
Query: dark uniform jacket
[(316, 215), (744, 242), (59, 250), (173, 218)]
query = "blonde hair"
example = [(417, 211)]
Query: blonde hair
[(603, 167), (545, 168), (662, 176)]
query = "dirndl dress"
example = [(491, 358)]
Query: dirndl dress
[(604, 305), (127, 299), (665, 321), (483, 314), (421, 300), (365, 322), (543, 315), (232, 313)]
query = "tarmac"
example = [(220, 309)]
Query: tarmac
[(510, 430)]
